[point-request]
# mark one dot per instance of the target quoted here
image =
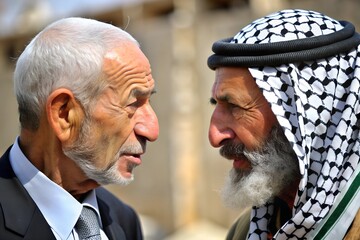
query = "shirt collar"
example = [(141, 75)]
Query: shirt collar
[(60, 209), (91, 201)]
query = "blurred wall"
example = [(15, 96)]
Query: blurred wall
[(178, 182)]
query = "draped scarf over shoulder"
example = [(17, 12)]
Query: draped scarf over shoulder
[(313, 88)]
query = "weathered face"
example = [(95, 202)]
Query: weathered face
[(122, 119), (241, 115), (245, 128)]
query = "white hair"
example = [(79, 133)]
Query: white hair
[(68, 53)]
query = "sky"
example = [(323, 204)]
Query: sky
[(15, 19)]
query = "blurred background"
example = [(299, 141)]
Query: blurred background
[(176, 188)]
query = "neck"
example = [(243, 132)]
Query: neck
[(289, 193), (44, 151)]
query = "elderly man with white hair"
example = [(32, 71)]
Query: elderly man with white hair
[(83, 88)]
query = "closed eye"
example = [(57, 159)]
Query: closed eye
[(139, 102)]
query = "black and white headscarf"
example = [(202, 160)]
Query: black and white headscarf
[(312, 84)]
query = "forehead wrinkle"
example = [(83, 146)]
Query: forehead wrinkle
[(144, 91), (220, 94), (116, 64), (126, 74)]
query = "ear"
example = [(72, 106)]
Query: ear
[(64, 114)]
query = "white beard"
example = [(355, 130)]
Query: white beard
[(274, 167)]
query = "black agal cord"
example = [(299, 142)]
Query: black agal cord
[(276, 53)]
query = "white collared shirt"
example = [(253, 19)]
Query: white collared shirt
[(59, 208)]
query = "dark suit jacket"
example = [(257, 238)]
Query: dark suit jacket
[(20, 218)]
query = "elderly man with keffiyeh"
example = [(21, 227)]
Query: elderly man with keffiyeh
[(286, 111)]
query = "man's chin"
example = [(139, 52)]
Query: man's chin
[(118, 180), (110, 176), (125, 180)]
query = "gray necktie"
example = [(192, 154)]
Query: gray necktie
[(87, 225)]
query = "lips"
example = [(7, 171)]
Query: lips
[(241, 162), (133, 159), (129, 162), (235, 152)]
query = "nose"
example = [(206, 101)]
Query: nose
[(147, 125), (219, 131)]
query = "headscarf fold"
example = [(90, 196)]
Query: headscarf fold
[(316, 101)]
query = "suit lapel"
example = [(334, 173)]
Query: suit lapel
[(21, 214), (39, 228)]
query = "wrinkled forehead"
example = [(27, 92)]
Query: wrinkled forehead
[(127, 65), (126, 54)]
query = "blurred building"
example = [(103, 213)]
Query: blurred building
[(175, 189)]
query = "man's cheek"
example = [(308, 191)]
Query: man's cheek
[(123, 127)]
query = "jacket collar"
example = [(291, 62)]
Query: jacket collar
[(112, 229), (21, 214)]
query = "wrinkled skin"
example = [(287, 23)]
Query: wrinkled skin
[(123, 114), (120, 123), (242, 119), (241, 114)]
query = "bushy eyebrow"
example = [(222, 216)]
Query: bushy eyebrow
[(223, 98), (141, 93)]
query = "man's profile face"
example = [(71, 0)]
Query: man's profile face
[(246, 130), (241, 113), (122, 120)]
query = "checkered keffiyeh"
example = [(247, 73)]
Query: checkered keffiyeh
[(315, 97)]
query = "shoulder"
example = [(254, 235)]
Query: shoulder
[(115, 212), (9, 183), (354, 230), (240, 228), (106, 197), (6, 171)]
